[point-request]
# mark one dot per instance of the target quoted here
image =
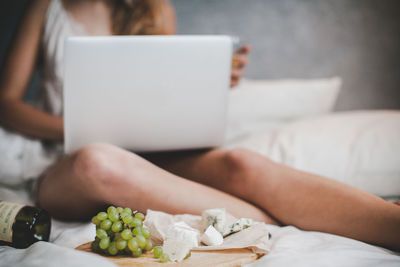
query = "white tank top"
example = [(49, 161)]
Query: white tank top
[(58, 26)]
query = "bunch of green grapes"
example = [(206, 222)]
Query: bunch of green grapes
[(119, 231)]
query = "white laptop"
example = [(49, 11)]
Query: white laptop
[(146, 93)]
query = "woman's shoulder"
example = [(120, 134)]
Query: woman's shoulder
[(38, 8)]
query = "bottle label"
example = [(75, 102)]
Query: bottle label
[(8, 211)]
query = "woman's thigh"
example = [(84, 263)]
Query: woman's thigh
[(231, 171)]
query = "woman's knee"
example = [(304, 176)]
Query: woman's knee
[(243, 160), (94, 164), (243, 166)]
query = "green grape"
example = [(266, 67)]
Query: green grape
[(112, 249), (149, 245), (188, 255), (111, 209), (101, 216), (128, 219), (96, 220), (100, 233), (121, 244), (164, 257), (117, 236), (146, 232), (141, 241), (106, 224), (126, 234), (120, 209), (104, 243), (133, 244), (123, 214), (113, 216), (157, 252), (136, 222), (137, 252), (116, 227), (137, 231), (128, 210), (139, 216)]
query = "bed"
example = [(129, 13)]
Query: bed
[(291, 122)]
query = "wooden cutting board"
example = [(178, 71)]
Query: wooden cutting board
[(225, 258)]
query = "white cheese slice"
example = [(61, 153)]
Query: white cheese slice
[(237, 226), (212, 237), (214, 217), (176, 250), (181, 231)]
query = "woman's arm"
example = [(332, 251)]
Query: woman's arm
[(15, 76)]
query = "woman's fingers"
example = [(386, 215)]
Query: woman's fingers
[(235, 76), (244, 50), (240, 58), (239, 61), (236, 73), (234, 82)]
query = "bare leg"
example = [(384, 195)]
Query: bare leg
[(82, 183), (297, 198)]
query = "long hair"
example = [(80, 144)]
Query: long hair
[(137, 17)]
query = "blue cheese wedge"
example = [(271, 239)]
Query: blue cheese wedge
[(237, 226), (176, 250), (181, 231), (212, 237), (214, 217)]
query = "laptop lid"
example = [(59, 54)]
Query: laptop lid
[(146, 93)]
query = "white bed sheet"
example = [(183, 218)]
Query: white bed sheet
[(294, 247)]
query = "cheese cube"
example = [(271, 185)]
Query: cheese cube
[(181, 231), (176, 250), (212, 237), (214, 217), (239, 225)]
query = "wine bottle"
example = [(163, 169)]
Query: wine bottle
[(21, 225)]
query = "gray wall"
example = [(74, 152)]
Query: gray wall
[(358, 40)]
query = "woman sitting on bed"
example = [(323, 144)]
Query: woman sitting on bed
[(247, 184)]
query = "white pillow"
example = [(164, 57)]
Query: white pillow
[(358, 148), (259, 104)]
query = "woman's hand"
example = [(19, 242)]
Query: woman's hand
[(239, 61)]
